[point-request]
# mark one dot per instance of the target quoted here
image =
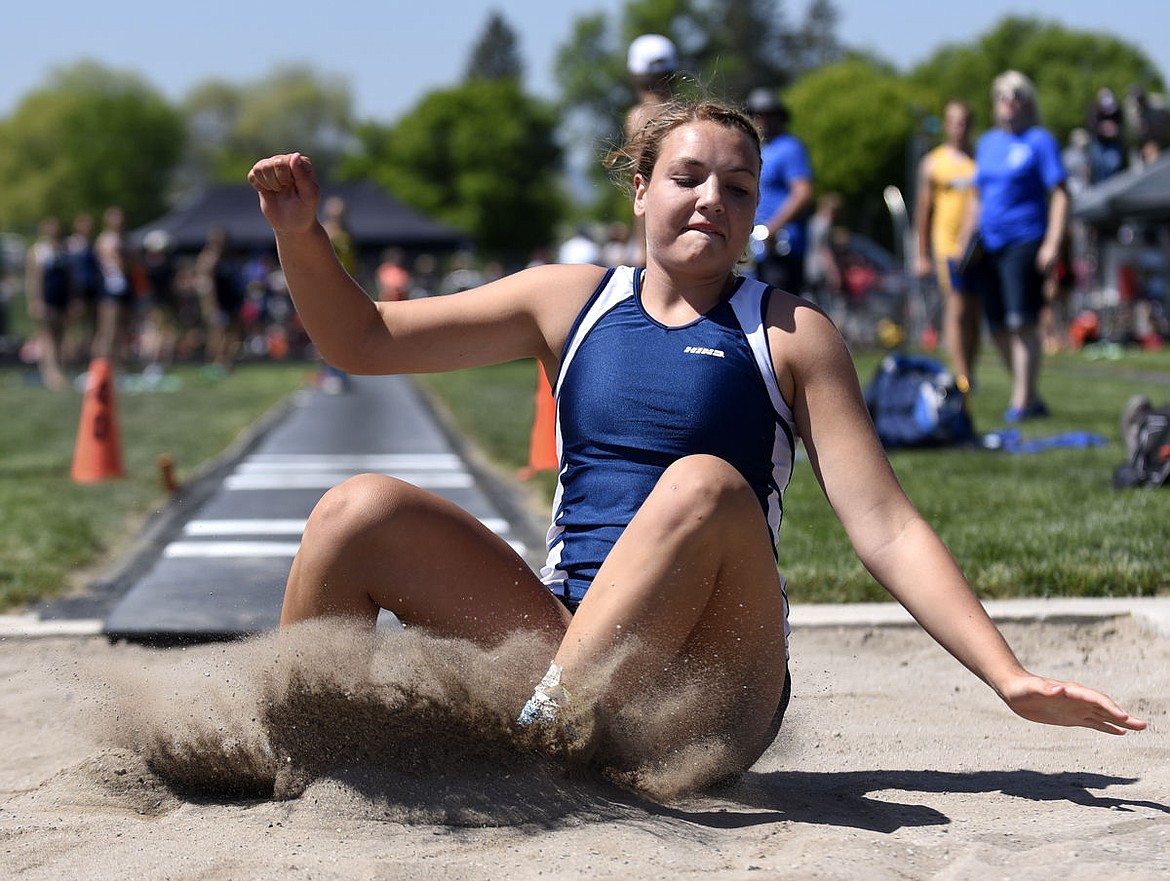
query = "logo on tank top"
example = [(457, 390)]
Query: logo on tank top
[(703, 350)]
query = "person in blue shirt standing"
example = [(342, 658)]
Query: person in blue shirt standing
[(786, 196), (1021, 203)]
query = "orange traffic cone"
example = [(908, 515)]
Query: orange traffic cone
[(542, 446), (98, 453)]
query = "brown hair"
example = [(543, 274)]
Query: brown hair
[(640, 152)]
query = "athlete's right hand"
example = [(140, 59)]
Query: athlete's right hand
[(288, 190)]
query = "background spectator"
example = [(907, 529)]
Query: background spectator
[(786, 195), (945, 178), (392, 277), (1106, 143), (652, 62), (823, 276), (221, 289), (1022, 203), (47, 290), (579, 248), (116, 306)]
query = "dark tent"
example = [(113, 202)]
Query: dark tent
[(1137, 194), (376, 221)]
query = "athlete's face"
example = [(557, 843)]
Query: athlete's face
[(700, 201)]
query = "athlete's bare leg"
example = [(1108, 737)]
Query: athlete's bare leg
[(375, 542), (693, 581), (962, 328)]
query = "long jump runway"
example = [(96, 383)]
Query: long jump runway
[(220, 571)]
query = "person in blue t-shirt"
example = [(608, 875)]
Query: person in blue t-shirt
[(1021, 203), (786, 195)]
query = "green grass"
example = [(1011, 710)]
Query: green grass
[(1043, 524), (1035, 525), (56, 532), (1021, 525)]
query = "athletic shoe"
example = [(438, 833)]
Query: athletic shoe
[(1035, 410), (546, 701)]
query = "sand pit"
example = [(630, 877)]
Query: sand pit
[(257, 760)]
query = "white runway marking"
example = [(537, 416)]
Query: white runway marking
[(255, 526), (268, 480), (222, 549), (383, 462), (275, 471), (291, 471), (262, 526), (31, 625)]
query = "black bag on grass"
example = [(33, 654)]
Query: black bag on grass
[(1146, 432), (915, 402)]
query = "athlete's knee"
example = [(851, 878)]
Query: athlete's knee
[(351, 508), (709, 476), (698, 487)]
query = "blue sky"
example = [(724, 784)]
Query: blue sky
[(393, 52)]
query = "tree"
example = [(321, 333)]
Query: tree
[(292, 108), (857, 119), (726, 47), (814, 44), (481, 157), (211, 109), (744, 44), (90, 138), (595, 94), (1067, 66), (496, 55)]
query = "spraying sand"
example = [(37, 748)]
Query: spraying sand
[(338, 754)]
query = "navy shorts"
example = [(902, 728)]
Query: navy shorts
[(1012, 288)]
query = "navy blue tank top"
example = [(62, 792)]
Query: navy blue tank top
[(633, 395)]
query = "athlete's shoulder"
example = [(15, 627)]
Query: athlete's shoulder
[(573, 282), (791, 313), (564, 273)]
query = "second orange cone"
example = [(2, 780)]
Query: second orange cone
[(98, 453), (542, 445)]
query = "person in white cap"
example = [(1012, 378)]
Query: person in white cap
[(652, 62)]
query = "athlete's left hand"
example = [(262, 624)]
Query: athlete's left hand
[(1067, 703)]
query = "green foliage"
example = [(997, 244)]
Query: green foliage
[(743, 44), (495, 55), (1067, 66), (815, 44), (726, 47), (90, 138), (481, 157), (292, 108), (488, 161), (857, 120)]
